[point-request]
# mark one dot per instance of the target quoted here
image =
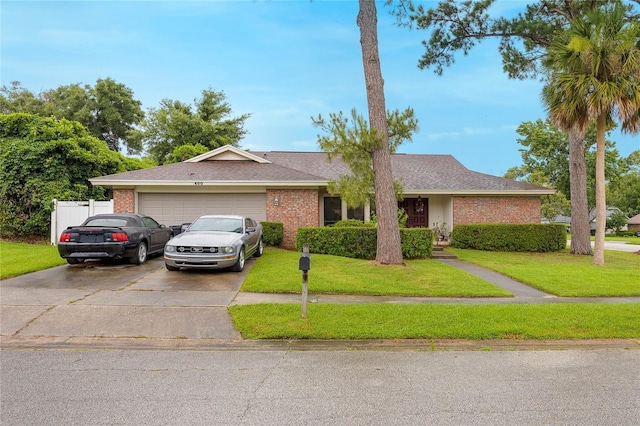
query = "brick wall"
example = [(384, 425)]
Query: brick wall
[(123, 201), (496, 210), (295, 208)]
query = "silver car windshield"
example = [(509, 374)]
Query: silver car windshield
[(217, 224)]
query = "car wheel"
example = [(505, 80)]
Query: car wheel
[(73, 261), (259, 250), (239, 266), (141, 254), (171, 268)]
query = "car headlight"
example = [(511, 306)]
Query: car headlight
[(226, 250), (169, 249)]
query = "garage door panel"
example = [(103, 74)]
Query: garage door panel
[(174, 209)]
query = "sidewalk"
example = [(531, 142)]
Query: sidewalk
[(150, 307), (522, 293)]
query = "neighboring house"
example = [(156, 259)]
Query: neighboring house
[(592, 216), (634, 223), (565, 220), (291, 187)]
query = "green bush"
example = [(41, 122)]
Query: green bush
[(361, 242), (352, 223), (534, 237), (45, 158), (625, 233), (417, 243), (273, 233)]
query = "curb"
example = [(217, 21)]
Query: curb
[(392, 345)]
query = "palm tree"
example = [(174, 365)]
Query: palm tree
[(595, 76)]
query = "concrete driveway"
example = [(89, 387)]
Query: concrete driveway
[(102, 300)]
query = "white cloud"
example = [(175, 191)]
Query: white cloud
[(469, 131)]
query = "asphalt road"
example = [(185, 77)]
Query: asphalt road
[(113, 344), (615, 245), (113, 387)]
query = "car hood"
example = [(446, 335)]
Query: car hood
[(205, 238)]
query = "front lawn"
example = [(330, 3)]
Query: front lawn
[(21, 258), (628, 240), (564, 274), (277, 272), (431, 321)]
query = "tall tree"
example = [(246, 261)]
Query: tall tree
[(15, 98), (114, 112), (389, 250), (596, 76), (208, 122), (624, 192), (354, 142), (108, 109), (459, 25), (544, 159)]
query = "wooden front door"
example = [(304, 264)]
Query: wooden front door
[(417, 210)]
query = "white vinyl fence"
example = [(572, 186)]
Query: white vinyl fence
[(73, 213)]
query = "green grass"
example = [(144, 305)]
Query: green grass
[(564, 274), (628, 240), (277, 272), (21, 258), (428, 321)]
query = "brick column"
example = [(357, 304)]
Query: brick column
[(295, 208), (123, 201)]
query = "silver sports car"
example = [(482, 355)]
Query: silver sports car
[(215, 242)]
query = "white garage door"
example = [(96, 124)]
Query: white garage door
[(175, 209)]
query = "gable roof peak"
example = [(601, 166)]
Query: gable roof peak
[(227, 153)]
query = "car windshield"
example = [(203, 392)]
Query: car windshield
[(106, 222), (225, 224)]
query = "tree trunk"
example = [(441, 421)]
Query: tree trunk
[(601, 200), (389, 250), (580, 228)]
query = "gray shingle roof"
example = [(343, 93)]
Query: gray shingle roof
[(418, 172)]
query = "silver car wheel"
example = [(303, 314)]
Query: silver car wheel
[(260, 249), (239, 266), (141, 254)]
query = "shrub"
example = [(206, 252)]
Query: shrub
[(534, 237), (352, 223), (273, 233), (625, 233), (361, 242), (45, 158)]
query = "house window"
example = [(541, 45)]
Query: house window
[(332, 210), (355, 213), (336, 209)]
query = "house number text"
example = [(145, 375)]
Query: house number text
[(198, 183)]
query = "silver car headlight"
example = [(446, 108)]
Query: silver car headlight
[(226, 250), (169, 249)]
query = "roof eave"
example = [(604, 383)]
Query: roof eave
[(215, 183), (480, 192)]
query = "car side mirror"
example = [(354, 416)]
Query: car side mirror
[(251, 229)]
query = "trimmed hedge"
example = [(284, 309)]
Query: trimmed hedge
[(353, 223), (361, 242), (417, 243), (273, 233), (532, 237)]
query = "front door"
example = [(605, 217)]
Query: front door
[(417, 210)]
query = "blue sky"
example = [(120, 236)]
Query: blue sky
[(280, 61)]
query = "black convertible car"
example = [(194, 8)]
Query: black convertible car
[(113, 236)]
